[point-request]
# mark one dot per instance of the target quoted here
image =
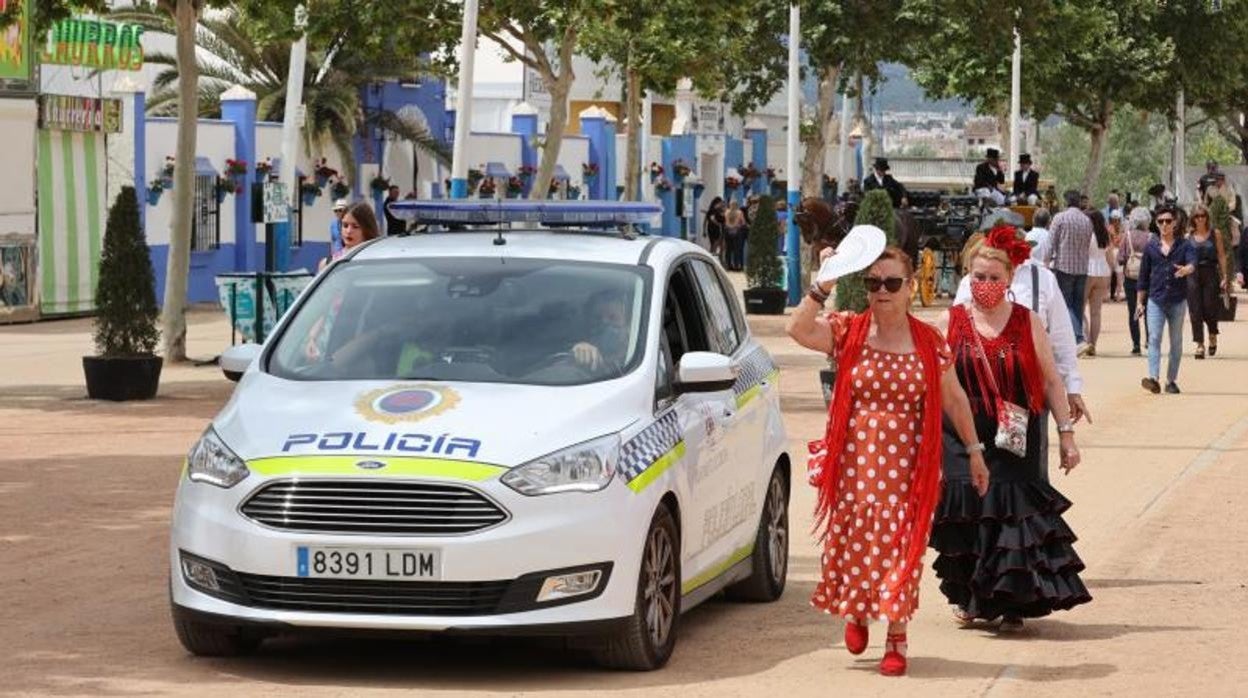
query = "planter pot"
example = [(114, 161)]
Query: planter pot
[(765, 301), (322, 180), (167, 183), (309, 197), (153, 196), (129, 378)]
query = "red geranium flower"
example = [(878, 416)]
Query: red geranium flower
[(1005, 238)]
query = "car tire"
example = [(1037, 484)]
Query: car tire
[(643, 645), (770, 559), (213, 640)]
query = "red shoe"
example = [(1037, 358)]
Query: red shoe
[(894, 662), (856, 636)]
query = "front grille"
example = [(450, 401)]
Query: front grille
[(375, 597), (372, 506)]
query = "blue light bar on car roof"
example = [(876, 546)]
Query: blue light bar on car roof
[(484, 212)]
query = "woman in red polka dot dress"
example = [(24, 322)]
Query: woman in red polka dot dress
[(878, 467)]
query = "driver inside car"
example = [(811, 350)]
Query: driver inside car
[(607, 344)]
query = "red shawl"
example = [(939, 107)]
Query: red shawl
[(925, 487)]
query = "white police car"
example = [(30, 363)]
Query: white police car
[(537, 432)]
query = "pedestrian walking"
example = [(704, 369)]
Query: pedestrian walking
[(1038, 236), (1036, 287), (1006, 554), (1116, 230), (1204, 288), (1162, 297), (734, 234), (714, 224), (1070, 240), (359, 224), (1130, 255), (1098, 279), (877, 469), (394, 224), (335, 227)]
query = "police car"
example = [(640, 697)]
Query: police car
[(553, 430)]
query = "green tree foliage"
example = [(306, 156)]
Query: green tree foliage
[(524, 28), (1082, 61), (238, 49), (763, 268), (125, 296), (876, 209)]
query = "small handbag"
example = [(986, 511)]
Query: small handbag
[(1134, 260), (1228, 306), (1011, 418)]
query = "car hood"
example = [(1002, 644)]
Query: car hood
[(491, 423)]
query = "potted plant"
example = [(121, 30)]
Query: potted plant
[(324, 173), (662, 184), (309, 191), (225, 186), (339, 189), (126, 367), (264, 168), (731, 184), (487, 188), (155, 188), (589, 170), (166, 173), (475, 176), (656, 171), (763, 270), (526, 172), (574, 192), (379, 184), (681, 168), (515, 187)]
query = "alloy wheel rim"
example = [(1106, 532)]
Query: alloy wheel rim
[(659, 575), (777, 530)]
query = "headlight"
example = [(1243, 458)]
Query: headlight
[(211, 461), (586, 467)]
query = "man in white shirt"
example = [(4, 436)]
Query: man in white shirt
[(1038, 236), (1036, 287)]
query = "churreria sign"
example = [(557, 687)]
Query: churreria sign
[(95, 43)]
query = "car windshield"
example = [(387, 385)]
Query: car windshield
[(525, 321)]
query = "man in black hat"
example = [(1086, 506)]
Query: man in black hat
[(1026, 180), (989, 179), (881, 179)]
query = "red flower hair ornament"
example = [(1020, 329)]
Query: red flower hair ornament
[(1005, 238)]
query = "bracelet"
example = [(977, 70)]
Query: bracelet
[(817, 295), (1066, 427), (977, 447)]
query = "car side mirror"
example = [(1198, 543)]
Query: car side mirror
[(237, 359), (704, 372)]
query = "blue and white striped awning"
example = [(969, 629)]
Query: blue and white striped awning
[(469, 211), (204, 168)]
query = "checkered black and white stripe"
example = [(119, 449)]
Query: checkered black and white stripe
[(644, 449), (754, 368)]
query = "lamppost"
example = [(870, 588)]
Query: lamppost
[(463, 102), (792, 174)]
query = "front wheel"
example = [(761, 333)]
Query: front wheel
[(647, 641), (770, 560)]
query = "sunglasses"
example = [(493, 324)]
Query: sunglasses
[(874, 283), (1198, 216), (1165, 221)]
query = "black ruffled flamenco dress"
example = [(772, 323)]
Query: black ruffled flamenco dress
[(1009, 553)]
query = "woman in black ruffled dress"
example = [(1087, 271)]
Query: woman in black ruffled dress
[(1009, 554)]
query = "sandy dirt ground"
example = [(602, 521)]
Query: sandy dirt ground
[(86, 490)]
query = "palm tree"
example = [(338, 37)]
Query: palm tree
[(234, 51)]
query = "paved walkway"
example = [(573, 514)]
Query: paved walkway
[(85, 492)]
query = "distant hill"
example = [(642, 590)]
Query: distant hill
[(897, 92)]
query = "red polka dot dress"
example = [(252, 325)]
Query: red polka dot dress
[(867, 524)]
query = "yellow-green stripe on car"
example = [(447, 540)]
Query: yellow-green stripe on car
[(394, 466), (657, 468), (753, 392), (719, 568)]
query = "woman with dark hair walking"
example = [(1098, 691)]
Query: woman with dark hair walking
[(714, 224), (359, 224), (1099, 274), (1162, 293), (1204, 288)]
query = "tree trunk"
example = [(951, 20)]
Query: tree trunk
[(1096, 157), (816, 148), (863, 123), (173, 316), (559, 87), (632, 164)]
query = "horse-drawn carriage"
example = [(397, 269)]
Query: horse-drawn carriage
[(933, 230)]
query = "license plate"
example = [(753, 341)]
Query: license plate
[(395, 564)]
